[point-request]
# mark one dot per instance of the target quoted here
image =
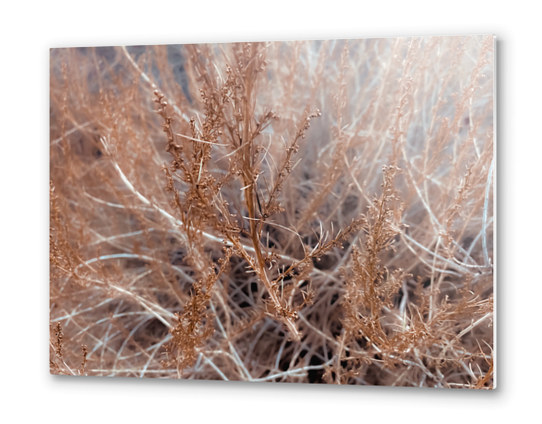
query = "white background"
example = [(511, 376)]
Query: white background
[(30, 28)]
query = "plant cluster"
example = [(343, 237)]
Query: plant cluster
[(314, 212)]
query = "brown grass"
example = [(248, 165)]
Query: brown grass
[(288, 212)]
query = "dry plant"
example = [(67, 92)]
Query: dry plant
[(313, 212)]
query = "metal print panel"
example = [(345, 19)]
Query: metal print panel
[(303, 212)]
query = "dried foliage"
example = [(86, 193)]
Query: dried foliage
[(316, 212)]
